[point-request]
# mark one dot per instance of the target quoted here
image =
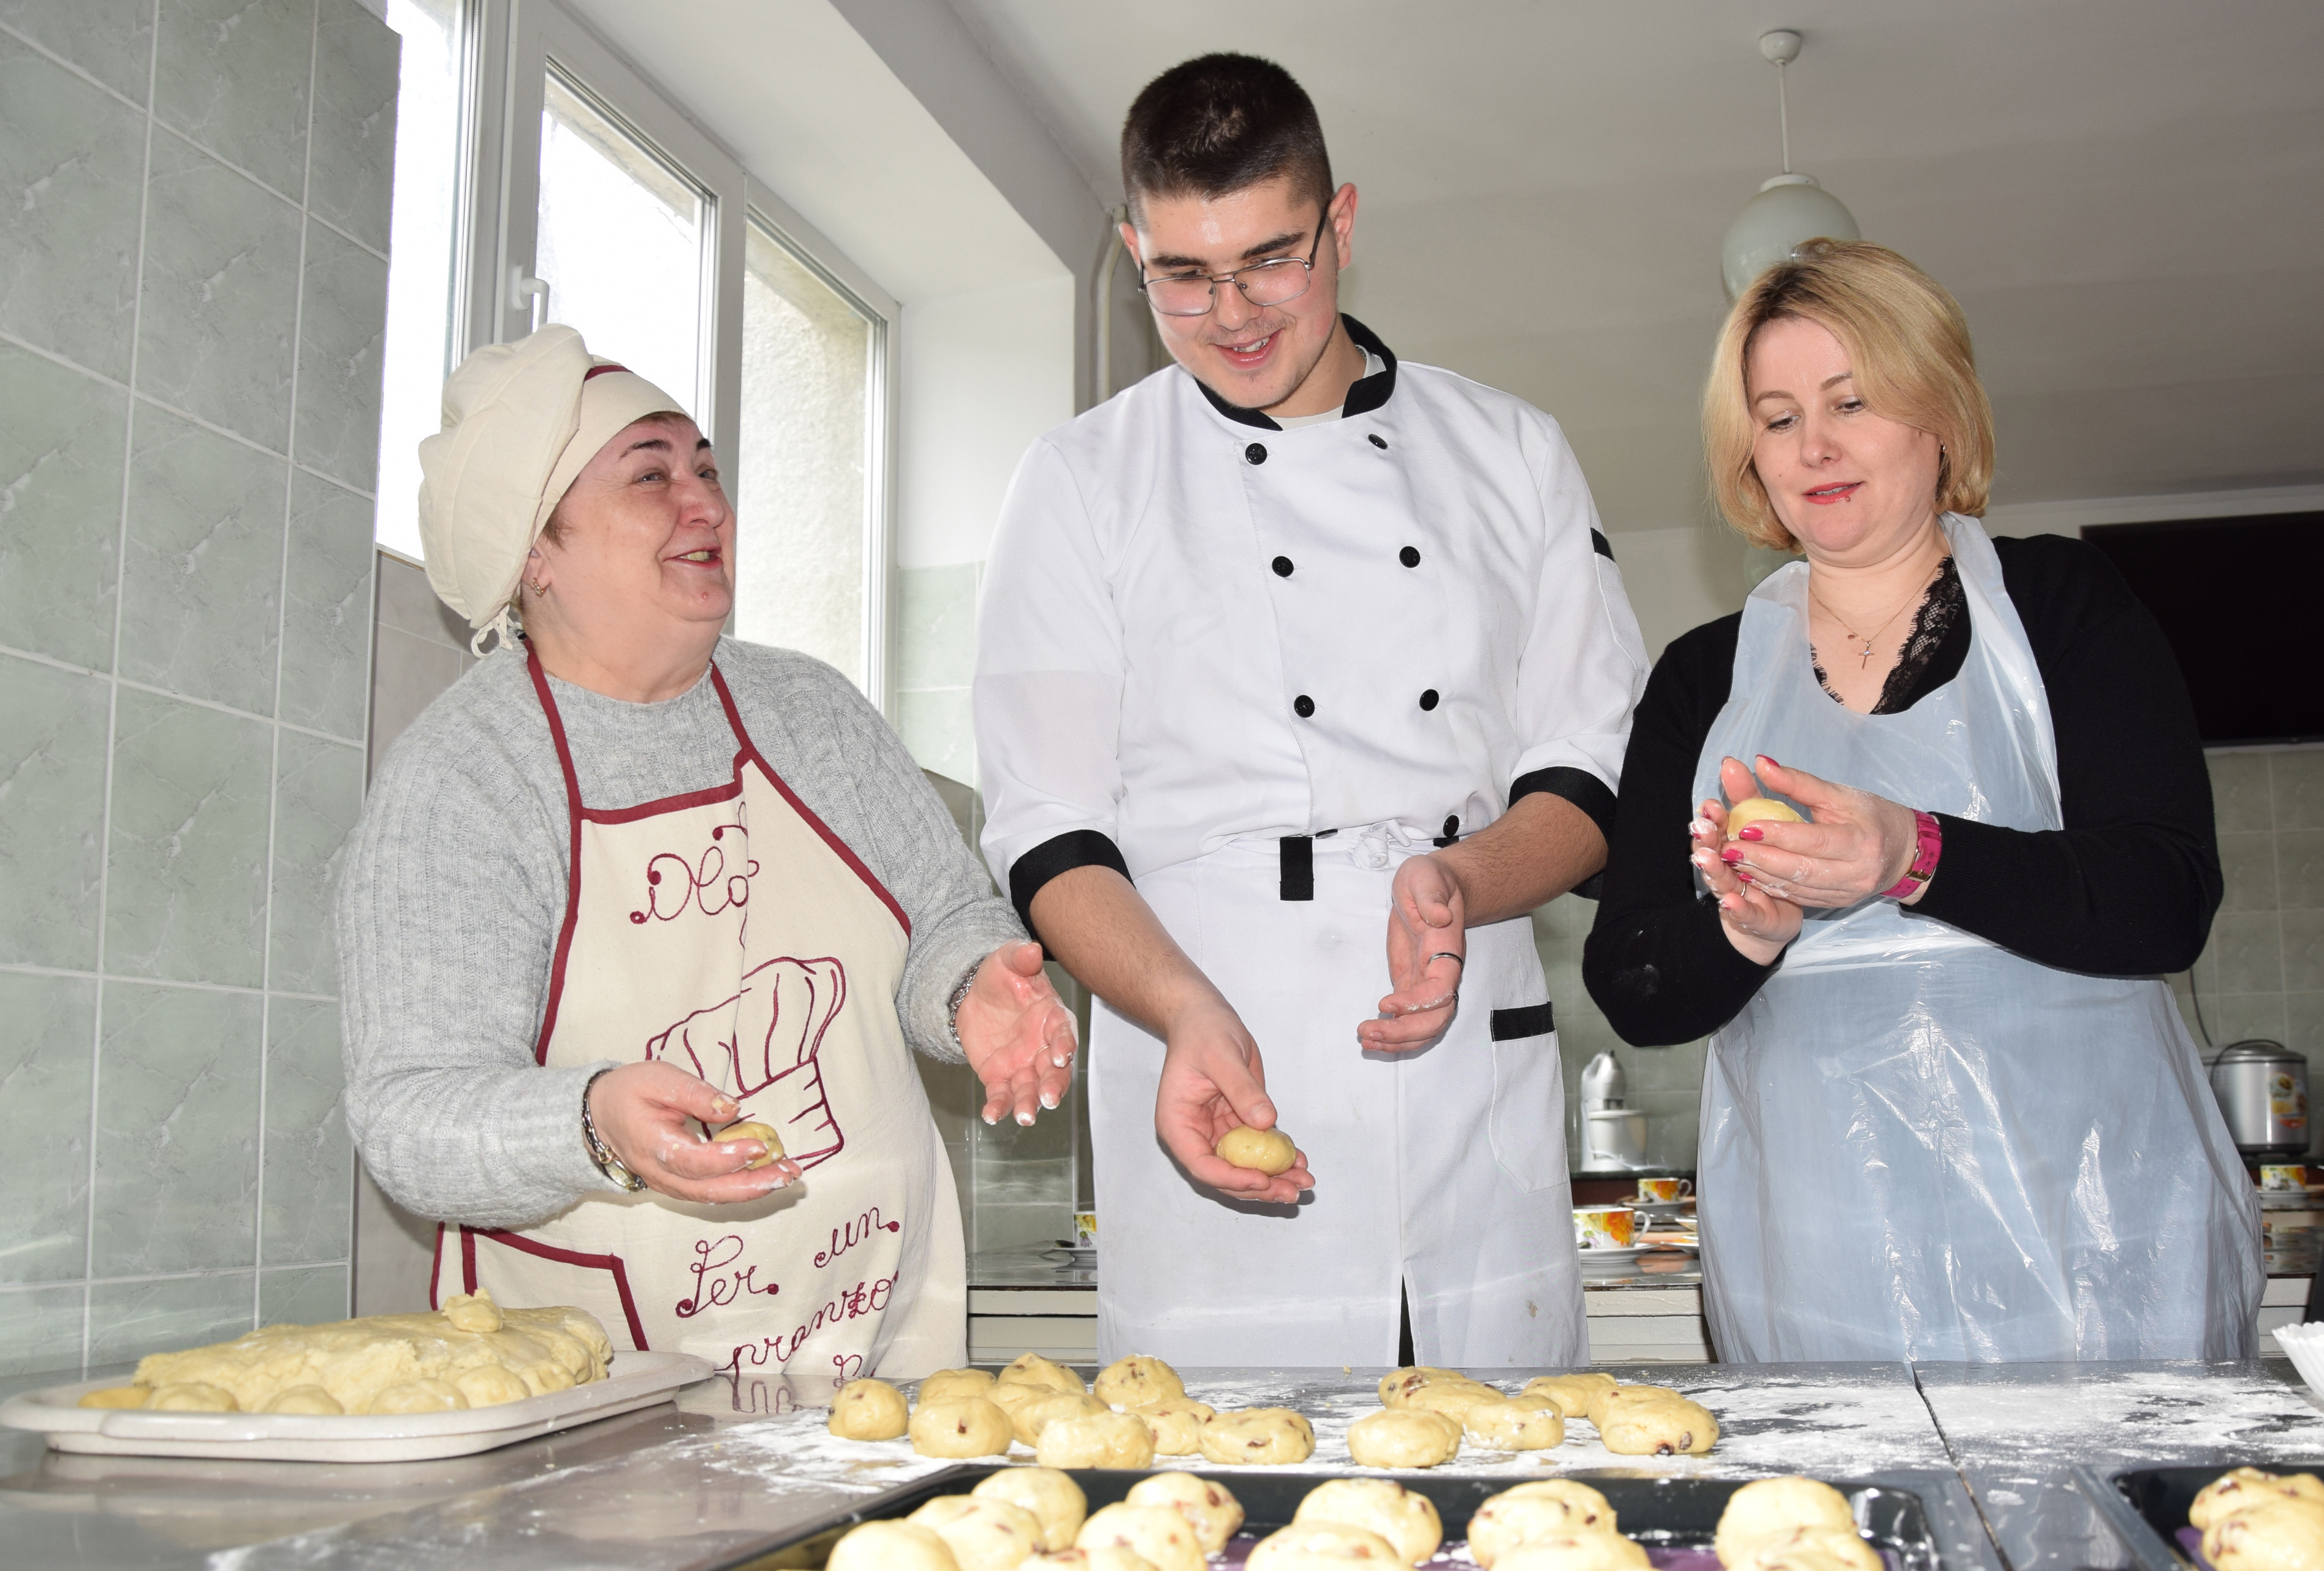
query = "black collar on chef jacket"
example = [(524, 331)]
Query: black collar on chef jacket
[(1365, 395)]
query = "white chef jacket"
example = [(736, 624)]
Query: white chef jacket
[(1198, 626)]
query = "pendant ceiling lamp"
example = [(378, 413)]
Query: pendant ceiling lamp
[(1790, 208)]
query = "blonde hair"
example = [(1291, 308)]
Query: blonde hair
[(1908, 344)]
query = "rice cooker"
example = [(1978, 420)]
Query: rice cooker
[(2262, 1088)]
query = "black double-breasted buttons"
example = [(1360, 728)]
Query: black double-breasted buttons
[(1377, 441), (1282, 566), (1409, 556), (1428, 699), (1255, 453), (1303, 706)]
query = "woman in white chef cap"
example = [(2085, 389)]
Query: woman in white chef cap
[(628, 883)]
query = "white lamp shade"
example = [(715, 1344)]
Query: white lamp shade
[(1788, 209)]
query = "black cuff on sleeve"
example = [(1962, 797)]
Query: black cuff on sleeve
[(1579, 787), (1080, 848)]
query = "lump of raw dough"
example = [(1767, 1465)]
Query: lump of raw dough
[(1813, 1548), (488, 1385), (967, 1425), (1761, 1512), (1098, 1558), (473, 1312), (1009, 1395), (191, 1396), (312, 1399), (1570, 1392), (1522, 1423), (868, 1410), (1452, 1398), (424, 1395), (1099, 1439), (2284, 1534), (1403, 1437), (1266, 1151), (1546, 1508), (1399, 1383), (1212, 1510), (1405, 1518), (1303, 1545), (1674, 1426), (892, 1546), (1054, 1498), (1136, 1380), (1759, 810), (1032, 1369), (1155, 1533), (983, 1534), (1258, 1437), (947, 1383), (1027, 1419), (1612, 1397), (114, 1396), (1177, 1424), (2225, 1496), (1588, 1550), (751, 1129)]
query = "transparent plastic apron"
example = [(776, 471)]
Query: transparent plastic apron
[(1916, 1144), (729, 934)]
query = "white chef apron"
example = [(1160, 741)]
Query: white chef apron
[(729, 933), (1441, 1172), (1915, 1144)]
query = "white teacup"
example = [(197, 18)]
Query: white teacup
[(1663, 1190), (1604, 1226)]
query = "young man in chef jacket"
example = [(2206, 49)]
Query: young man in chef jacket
[(1290, 649)]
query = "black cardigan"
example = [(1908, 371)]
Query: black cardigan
[(2126, 889)]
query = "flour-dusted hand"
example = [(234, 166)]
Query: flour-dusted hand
[(652, 1115), (1427, 946), (1757, 924), (1017, 1034), (1857, 845), (1213, 1081)]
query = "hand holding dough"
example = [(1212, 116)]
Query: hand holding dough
[(1266, 1151), (751, 1129), (1759, 810)]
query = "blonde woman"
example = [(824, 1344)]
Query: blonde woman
[(1949, 1112)]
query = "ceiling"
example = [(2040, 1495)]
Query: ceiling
[(2126, 196)]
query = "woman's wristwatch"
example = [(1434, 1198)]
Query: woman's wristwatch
[(599, 1151), (1928, 845)]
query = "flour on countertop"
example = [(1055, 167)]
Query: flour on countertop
[(2154, 1412)]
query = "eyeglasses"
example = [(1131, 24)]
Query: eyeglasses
[(1276, 281)]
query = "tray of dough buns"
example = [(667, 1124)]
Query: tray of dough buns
[(386, 1388), (2214, 1518)]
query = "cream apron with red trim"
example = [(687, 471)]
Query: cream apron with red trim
[(729, 933)]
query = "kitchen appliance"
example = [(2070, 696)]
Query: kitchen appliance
[(1613, 1133), (2262, 1088)]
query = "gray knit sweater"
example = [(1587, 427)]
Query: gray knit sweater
[(454, 884)]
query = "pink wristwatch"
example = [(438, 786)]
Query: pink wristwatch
[(1928, 844)]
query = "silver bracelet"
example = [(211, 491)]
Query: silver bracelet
[(600, 1153), (959, 997)]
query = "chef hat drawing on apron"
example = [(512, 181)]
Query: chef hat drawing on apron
[(522, 420)]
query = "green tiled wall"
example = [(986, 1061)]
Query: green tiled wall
[(193, 282)]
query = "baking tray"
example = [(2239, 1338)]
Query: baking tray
[(638, 1380), (2147, 1506), (1678, 1516)]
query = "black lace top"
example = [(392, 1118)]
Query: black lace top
[(1942, 609)]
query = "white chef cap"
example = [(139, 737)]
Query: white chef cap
[(520, 421)]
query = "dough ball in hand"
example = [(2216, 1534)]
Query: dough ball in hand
[(1312, 1546), (1522, 1423), (194, 1396), (1137, 1380), (313, 1400), (1570, 1392), (1056, 1501), (1770, 1509), (892, 1546), (2241, 1490), (2283, 1534), (1403, 1438), (1405, 1518), (1214, 1512), (424, 1395), (968, 1426), (1588, 1550), (1266, 1151), (947, 1383), (1176, 1423), (1027, 1419), (1759, 810), (1154, 1533), (1672, 1428), (751, 1129), (1613, 1396), (868, 1410), (1032, 1369), (116, 1396), (1397, 1386), (983, 1534), (1100, 1439), (1259, 1437)]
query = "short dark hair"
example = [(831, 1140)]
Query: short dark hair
[(1223, 123)]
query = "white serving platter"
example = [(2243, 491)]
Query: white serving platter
[(638, 1380)]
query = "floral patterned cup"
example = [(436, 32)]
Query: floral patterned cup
[(1663, 1190), (1604, 1226)]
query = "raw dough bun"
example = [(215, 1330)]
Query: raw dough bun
[(1614, 1396), (1570, 1392), (114, 1396), (1588, 1550), (2278, 1535), (1759, 810), (1547, 1508), (1156, 1533), (1176, 1423), (1032, 1369), (1403, 1438), (2222, 1498), (1136, 1380), (1266, 1151), (1822, 1548), (869, 1409), (1056, 1501), (1672, 1428), (1304, 1545), (1452, 1398), (1760, 1513), (1100, 1439), (1101, 1558), (1259, 1437), (1405, 1518), (945, 1384), (1009, 1395), (1214, 1512), (1399, 1383), (314, 1399), (488, 1385), (983, 1534), (1522, 1423), (751, 1129), (192, 1396), (473, 1312), (892, 1546), (424, 1395), (1027, 1419), (967, 1425)]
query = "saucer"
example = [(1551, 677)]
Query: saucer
[(1661, 1208)]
